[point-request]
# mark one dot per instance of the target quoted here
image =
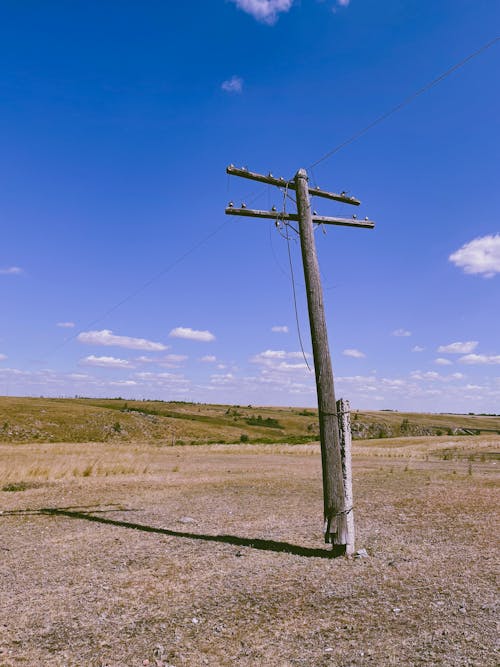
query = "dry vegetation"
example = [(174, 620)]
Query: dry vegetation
[(174, 423), (125, 554)]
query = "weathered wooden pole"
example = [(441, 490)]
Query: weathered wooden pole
[(334, 504), (334, 420), (344, 416)]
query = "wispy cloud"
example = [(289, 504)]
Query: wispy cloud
[(192, 334), (122, 383), (459, 347), (11, 271), (3, 357), (279, 362), (173, 360), (66, 325), (266, 11), (143, 359), (480, 256), (440, 361), (209, 359), (233, 85), (483, 359), (108, 338), (273, 355), (401, 333), (417, 348), (352, 352), (105, 362), (279, 329)]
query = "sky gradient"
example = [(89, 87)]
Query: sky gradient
[(120, 275)]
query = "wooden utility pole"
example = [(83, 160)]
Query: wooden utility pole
[(334, 421), (333, 483)]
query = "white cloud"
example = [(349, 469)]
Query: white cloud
[(145, 360), (433, 376), (480, 359), (172, 360), (428, 375), (356, 354), (65, 325), (401, 333), (266, 11), (106, 337), (480, 256), (278, 329), (280, 368), (459, 347), (123, 383), (269, 357), (219, 379), (209, 359), (343, 3), (233, 85), (192, 334), (176, 358), (3, 357), (442, 362), (11, 271), (105, 362), (417, 348)]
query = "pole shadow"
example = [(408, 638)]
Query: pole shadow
[(253, 543)]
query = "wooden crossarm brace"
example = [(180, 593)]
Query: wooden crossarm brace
[(282, 182), (319, 219)]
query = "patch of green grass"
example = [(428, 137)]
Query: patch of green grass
[(269, 422), (18, 486)]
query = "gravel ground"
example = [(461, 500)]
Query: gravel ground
[(215, 557)]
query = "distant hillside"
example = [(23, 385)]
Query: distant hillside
[(175, 423)]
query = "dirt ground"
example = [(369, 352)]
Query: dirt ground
[(215, 556)]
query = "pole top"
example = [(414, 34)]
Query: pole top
[(302, 173)]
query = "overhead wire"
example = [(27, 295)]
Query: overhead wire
[(294, 291), (142, 287), (405, 102)]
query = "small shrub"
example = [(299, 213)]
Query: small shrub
[(16, 486), (117, 427), (244, 437)]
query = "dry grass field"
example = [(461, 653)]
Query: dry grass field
[(177, 423), (125, 554)]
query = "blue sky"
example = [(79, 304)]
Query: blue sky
[(120, 273)]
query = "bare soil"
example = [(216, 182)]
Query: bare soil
[(131, 555)]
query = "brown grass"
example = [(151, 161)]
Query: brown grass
[(163, 423), (131, 554)]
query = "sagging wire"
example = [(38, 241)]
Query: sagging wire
[(294, 291)]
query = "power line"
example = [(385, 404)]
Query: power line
[(144, 286), (406, 101)]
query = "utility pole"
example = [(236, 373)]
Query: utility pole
[(335, 456)]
